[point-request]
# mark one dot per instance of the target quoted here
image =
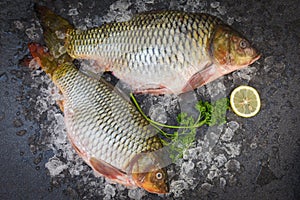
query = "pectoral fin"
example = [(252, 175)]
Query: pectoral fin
[(201, 78), (81, 153), (102, 168), (110, 172), (155, 90)]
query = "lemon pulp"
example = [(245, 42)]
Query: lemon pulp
[(245, 101)]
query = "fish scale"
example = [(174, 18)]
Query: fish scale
[(145, 41), (91, 109)]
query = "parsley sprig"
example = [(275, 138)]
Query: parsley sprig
[(210, 113)]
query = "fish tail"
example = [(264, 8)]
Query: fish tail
[(43, 58), (56, 69), (55, 28)]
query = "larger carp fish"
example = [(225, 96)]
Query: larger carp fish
[(105, 128), (158, 52)]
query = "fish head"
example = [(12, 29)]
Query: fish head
[(148, 174), (153, 181), (230, 50)]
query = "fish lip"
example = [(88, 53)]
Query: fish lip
[(255, 58), (161, 190)]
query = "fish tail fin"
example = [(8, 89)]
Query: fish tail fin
[(55, 28), (43, 58)]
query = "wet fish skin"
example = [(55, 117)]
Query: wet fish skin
[(164, 52), (105, 129), (147, 39), (158, 50)]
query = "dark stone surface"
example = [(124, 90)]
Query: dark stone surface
[(270, 156)]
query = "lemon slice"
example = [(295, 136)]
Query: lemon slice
[(245, 101)]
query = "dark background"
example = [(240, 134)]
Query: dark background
[(269, 171)]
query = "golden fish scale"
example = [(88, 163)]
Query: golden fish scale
[(100, 122), (165, 39)]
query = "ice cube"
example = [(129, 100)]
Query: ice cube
[(19, 25), (192, 5), (220, 160), (222, 183), (73, 12), (207, 157), (253, 145), (109, 191), (201, 166), (119, 11), (192, 153), (246, 73), (32, 33), (187, 168), (228, 134), (187, 173), (136, 194), (232, 149), (244, 76), (233, 166), (141, 6), (213, 172), (215, 4), (158, 113), (222, 10), (178, 187), (120, 5), (233, 125), (230, 20), (205, 188), (216, 89), (55, 166), (210, 140)]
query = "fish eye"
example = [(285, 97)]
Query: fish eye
[(159, 175), (244, 44)]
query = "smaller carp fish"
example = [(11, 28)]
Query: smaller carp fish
[(106, 129), (158, 52)]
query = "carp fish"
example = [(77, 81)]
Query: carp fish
[(105, 128), (158, 52)]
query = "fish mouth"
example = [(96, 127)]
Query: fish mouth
[(230, 68), (258, 55)]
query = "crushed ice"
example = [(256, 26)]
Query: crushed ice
[(158, 113), (109, 191), (136, 194), (32, 32), (55, 166), (73, 12), (177, 187)]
